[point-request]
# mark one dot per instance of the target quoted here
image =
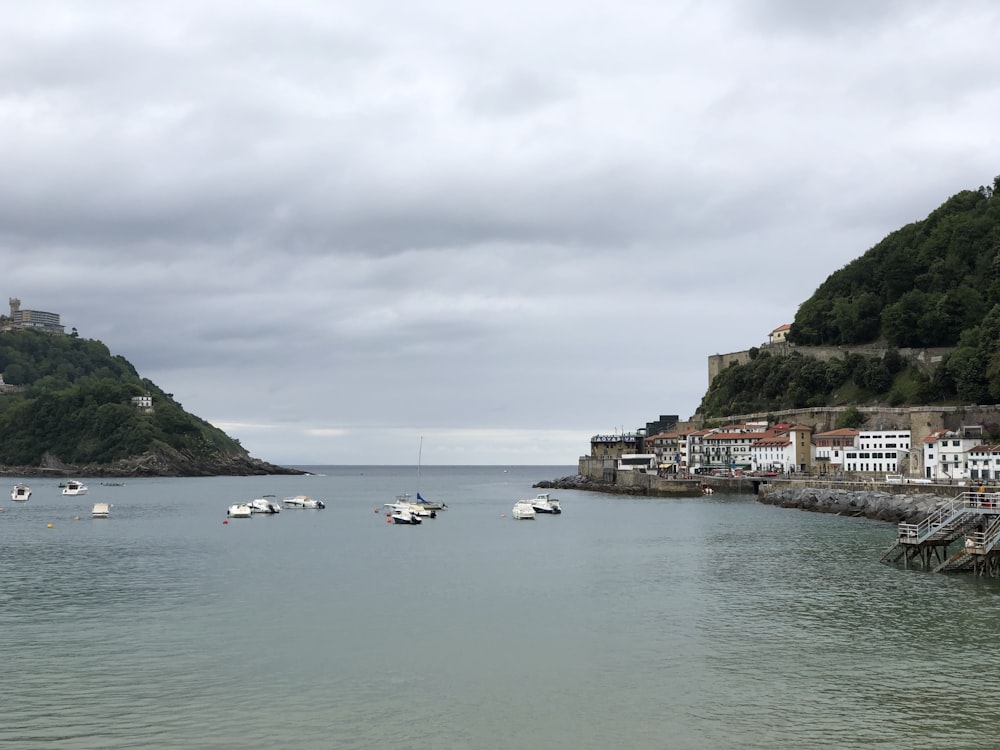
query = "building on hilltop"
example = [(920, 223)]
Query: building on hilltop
[(143, 404), (6, 388), (780, 334), (36, 320)]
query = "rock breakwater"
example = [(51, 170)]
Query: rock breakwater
[(580, 482), (881, 506)]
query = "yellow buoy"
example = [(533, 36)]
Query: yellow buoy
[(50, 526)]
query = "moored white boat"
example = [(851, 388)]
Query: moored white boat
[(545, 504), (405, 516), (403, 503), (302, 501), (264, 505), (239, 510), (101, 510), (523, 511), (428, 505), (74, 487), (21, 492)]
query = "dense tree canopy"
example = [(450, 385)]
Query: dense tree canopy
[(921, 286), (76, 404)]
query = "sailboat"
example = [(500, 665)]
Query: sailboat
[(429, 506)]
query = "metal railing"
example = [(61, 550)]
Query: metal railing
[(944, 520)]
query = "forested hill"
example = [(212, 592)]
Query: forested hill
[(73, 410), (921, 286), (933, 283)]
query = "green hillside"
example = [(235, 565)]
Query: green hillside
[(75, 408), (933, 283), (922, 286)]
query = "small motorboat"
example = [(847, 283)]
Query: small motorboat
[(239, 510), (545, 504), (403, 504), (264, 505), (101, 510), (21, 492), (302, 501), (523, 511), (74, 487), (405, 516)]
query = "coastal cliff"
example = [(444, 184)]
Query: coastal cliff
[(69, 407)]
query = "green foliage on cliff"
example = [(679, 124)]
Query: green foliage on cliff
[(76, 405), (921, 286), (933, 283), (777, 383)]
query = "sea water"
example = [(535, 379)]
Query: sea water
[(622, 623)]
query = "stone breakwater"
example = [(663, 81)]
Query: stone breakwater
[(881, 506), (580, 482)]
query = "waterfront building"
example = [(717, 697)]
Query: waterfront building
[(984, 462), (670, 449), (878, 452), (645, 462), (614, 445), (947, 454), (829, 447)]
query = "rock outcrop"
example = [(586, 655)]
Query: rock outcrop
[(882, 506), (162, 462)]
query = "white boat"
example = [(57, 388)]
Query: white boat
[(545, 504), (239, 510), (404, 516), (523, 511), (101, 510), (427, 505), (302, 501), (403, 503), (74, 487), (21, 492), (264, 505)]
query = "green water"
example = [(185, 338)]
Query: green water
[(624, 622)]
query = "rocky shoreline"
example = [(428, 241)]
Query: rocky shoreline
[(162, 463), (880, 506), (580, 482)]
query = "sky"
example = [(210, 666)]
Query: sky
[(474, 233)]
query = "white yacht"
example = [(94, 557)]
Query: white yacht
[(545, 504), (101, 510), (74, 487), (404, 516), (523, 511), (302, 501), (264, 504), (21, 492), (239, 510)]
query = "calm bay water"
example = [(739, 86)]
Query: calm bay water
[(624, 622)]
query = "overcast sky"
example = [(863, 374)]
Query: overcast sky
[(331, 228)]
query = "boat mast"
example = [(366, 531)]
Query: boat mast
[(420, 455)]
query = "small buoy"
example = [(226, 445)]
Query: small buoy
[(49, 526), (503, 515), (77, 518), (388, 519), (376, 510), (225, 521)]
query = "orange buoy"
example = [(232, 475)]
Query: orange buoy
[(388, 519), (225, 521)]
